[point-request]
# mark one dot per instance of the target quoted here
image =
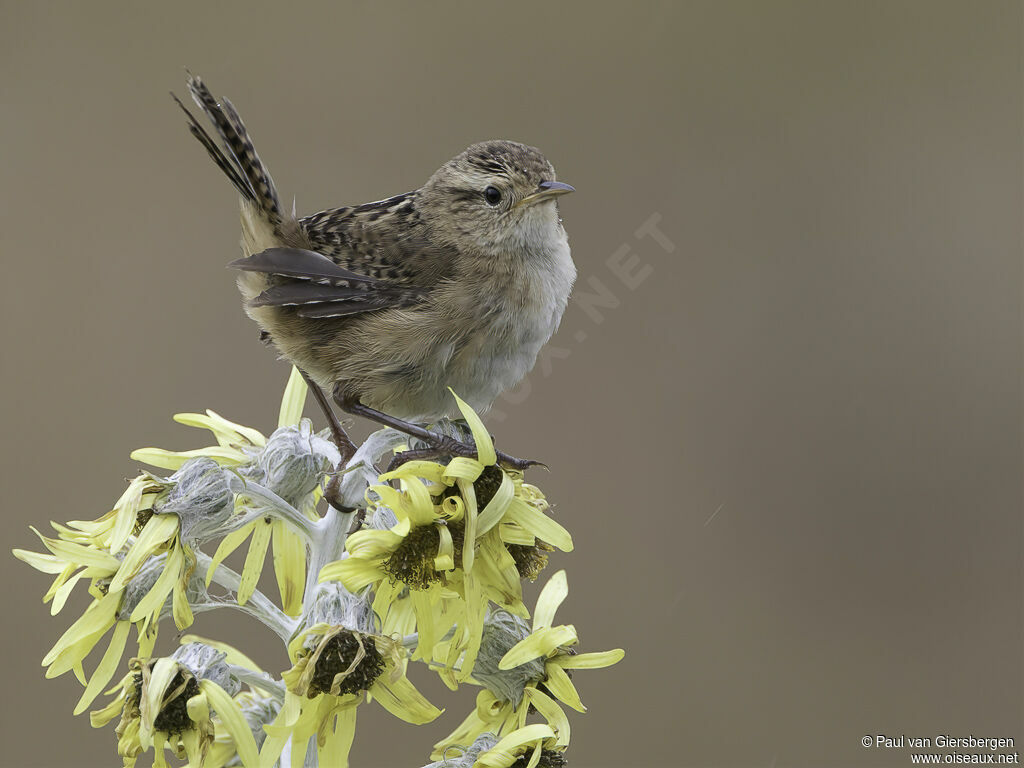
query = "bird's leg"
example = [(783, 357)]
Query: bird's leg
[(439, 445), (332, 492)]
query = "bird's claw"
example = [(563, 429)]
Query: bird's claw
[(511, 462), (445, 445)]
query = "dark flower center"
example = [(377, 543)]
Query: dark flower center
[(141, 519), (487, 485), (530, 560), (412, 562), (173, 718), (337, 656), (548, 759)]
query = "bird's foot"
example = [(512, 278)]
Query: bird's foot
[(445, 445)]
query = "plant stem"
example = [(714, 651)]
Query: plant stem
[(259, 606)]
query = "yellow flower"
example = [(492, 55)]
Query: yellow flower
[(164, 703), (159, 516), (512, 749), (257, 709), (73, 561), (258, 706), (295, 475), (333, 667), (521, 668), (487, 751), (451, 546), (148, 525)]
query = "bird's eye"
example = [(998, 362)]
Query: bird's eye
[(492, 195)]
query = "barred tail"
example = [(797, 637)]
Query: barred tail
[(237, 159)]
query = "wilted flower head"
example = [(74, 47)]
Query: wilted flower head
[(333, 668), (258, 709), (167, 702), (528, 747), (448, 548), (530, 672)]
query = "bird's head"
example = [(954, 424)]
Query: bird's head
[(495, 198)]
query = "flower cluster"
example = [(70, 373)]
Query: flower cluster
[(434, 576)]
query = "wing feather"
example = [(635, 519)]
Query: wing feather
[(319, 287)]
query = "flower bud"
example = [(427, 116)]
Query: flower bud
[(199, 495), (294, 462)]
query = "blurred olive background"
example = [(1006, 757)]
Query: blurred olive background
[(783, 420)]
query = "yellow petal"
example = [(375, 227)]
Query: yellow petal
[(402, 700), (158, 457), (550, 711), (513, 533), (41, 562), (423, 606), (279, 731), (418, 498), (180, 607), (158, 740), (554, 592), (233, 721), (491, 515), (539, 524), (229, 544), (354, 572), (78, 554), (558, 683), (100, 717), (60, 595), (126, 511), (468, 493), (198, 708), (445, 559), (335, 750), (147, 638), (155, 534), (107, 666), (228, 433), (482, 438), (153, 601), (191, 740), (425, 470), (153, 696), (596, 660), (289, 567), (504, 753), (462, 468), (476, 609), (369, 543), (398, 615), (96, 620), (254, 561), (294, 399), (500, 574), (538, 645)]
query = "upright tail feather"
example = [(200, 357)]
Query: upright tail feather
[(237, 159)]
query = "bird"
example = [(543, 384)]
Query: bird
[(393, 305)]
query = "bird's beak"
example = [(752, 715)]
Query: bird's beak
[(545, 191)]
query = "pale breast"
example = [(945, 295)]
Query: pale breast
[(508, 336)]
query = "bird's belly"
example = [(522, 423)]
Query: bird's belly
[(496, 358)]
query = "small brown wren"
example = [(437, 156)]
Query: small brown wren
[(388, 304)]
